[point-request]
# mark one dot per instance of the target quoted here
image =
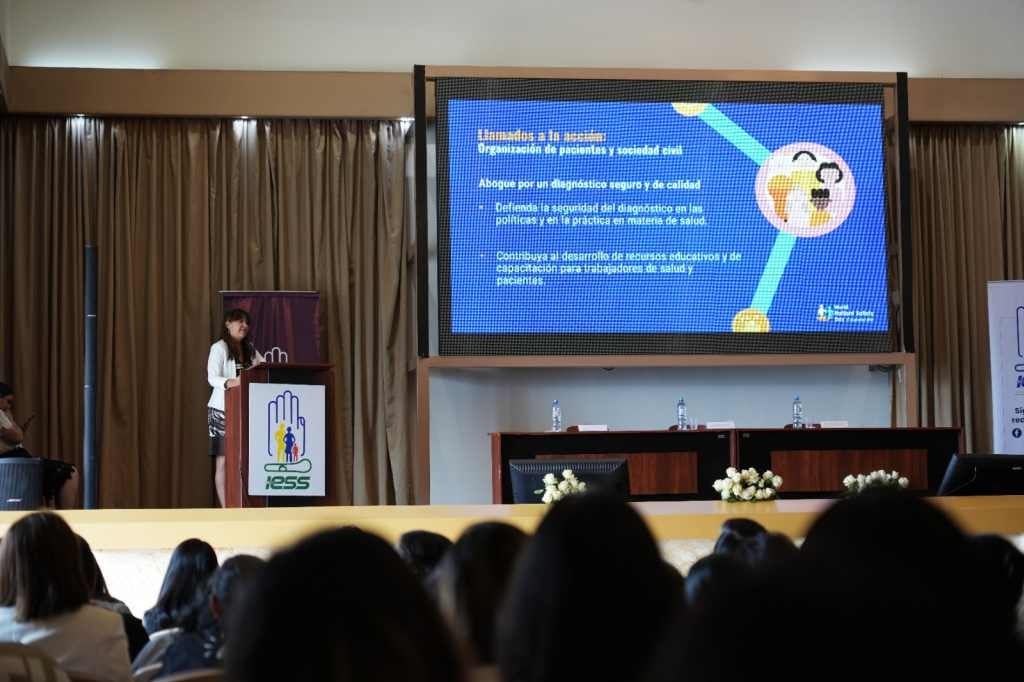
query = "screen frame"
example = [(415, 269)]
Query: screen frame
[(785, 87)]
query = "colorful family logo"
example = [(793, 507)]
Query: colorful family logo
[(825, 313), (286, 436)]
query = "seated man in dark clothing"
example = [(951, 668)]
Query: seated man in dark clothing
[(12, 437)]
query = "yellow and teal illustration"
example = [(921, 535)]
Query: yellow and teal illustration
[(286, 436), (803, 189)]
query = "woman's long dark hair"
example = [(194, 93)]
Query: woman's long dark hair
[(192, 563), (242, 351), (356, 610), (40, 570), (590, 580), (471, 582), (91, 572)]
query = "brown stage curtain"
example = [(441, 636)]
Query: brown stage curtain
[(178, 210), (155, 299), (968, 229), (47, 203)]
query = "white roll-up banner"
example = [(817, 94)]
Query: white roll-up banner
[(1006, 346)]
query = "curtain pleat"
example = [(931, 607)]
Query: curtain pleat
[(154, 311), (179, 210), (47, 192), (967, 186), (1013, 234)]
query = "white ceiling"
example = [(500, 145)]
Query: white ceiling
[(923, 37)]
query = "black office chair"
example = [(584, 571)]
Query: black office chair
[(21, 483)]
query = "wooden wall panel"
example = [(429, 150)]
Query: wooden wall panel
[(651, 473), (824, 470)]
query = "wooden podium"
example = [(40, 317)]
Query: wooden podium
[(236, 437)]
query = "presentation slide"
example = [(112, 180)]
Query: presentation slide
[(632, 217)]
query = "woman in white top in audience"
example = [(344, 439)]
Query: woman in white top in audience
[(44, 601), (229, 355)]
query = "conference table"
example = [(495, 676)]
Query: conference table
[(683, 465)]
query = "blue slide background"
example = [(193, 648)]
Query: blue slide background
[(846, 266)]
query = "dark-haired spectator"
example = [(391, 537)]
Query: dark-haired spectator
[(202, 642), (423, 550), (471, 582), (192, 563), (100, 596), (589, 598), (886, 567), (341, 606), (767, 551), (713, 576), (1002, 566), (44, 601), (734, 532)]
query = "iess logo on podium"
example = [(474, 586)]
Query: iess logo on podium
[(287, 442)]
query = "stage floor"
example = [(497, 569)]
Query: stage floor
[(133, 546), (271, 528)]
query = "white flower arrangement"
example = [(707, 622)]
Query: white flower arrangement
[(748, 485), (554, 490), (876, 479)]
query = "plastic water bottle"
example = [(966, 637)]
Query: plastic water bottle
[(681, 423), (556, 416), (798, 413)]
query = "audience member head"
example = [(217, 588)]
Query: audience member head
[(361, 612), (890, 567), (422, 551), (734, 531), (767, 550), (881, 535), (711, 577), (471, 581), (231, 581), (217, 596), (91, 572), (736, 616), (1002, 566), (40, 571), (192, 563), (591, 579)]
